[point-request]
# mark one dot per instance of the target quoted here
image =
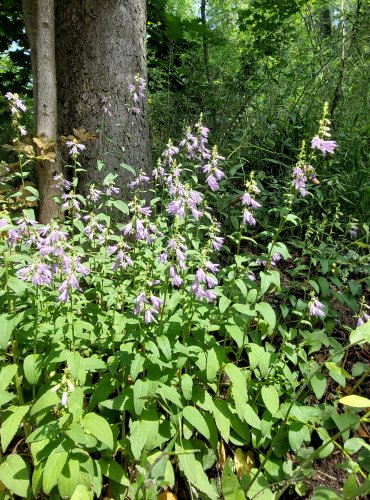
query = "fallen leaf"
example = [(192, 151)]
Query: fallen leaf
[(244, 461), (167, 495)]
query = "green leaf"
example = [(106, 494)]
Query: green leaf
[(231, 488), (69, 478), (100, 165), (222, 417), (7, 373), (187, 385), (238, 380), (121, 206), (268, 315), (32, 367), (15, 475), (49, 398), (318, 384), (74, 363), (82, 493), (361, 334), (99, 428), (127, 167), (244, 309), (269, 279), (194, 472), (338, 370), (197, 420), (212, 366), (323, 493), (236, 334), (270, 397), (242, 287), (10, 426), (7, 324), (53, 467), (5, 397), (223, 304), (142, 432), (250, 416), (355, 401), (297, 434), (136, 366), (114, 471)]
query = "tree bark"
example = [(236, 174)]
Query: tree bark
[(100, 48), (205, 40), (39, 20)]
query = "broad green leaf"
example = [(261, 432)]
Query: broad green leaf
[(15, 475), (7, 324), (338, 370), (269, 279), (69, 478), (32, 367), (197, 420), (238, 380), (222, 417), (250, 416), (121, 206), (242, 287), (74, 362), (212, 365), (323, 493), (7, 374), (142, 431), (141, 390), (270, 397), (268, 315), (169, 393), (355, 401), (244, 309), (6, 397), (136, 366), (223, 304), (127, 167), (236, 334), (82, 493), (114, 471), (298, 433), (165, 346), (53, 467), (361, 334), (231, 488), (194, 472), (49, 398), (187, 386), (318, 384), (99, 428), (10, 426)]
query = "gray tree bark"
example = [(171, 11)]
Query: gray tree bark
[(39, 20), (100, 48)]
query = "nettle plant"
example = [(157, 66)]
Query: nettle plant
[(135, 354)]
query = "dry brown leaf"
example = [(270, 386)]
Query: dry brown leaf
[(82, 135), (244, 461), (167, 495), (222, 453)]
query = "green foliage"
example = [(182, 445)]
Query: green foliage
[(127, 380)]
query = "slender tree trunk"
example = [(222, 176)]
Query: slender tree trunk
[(39, 20), (29, 9), (205, 40), (100, 50)]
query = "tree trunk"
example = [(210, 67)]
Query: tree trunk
[(205, 39), (39, 20), (100, 50)]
